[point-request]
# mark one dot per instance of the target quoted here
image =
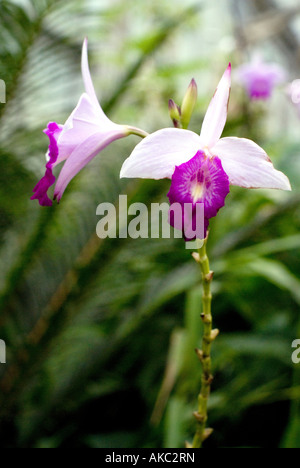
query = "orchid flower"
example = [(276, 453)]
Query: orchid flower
[(260, 78), (85, 134), (203, 167)]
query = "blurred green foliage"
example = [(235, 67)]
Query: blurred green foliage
[(101, 334)]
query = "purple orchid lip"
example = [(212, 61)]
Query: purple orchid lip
[(190, 220), (202, 180), (41, 189)]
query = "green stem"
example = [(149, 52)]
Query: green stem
[(136, 131), (209, 335)]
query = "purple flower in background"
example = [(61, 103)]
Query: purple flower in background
[(260, 78), (86, 132), (203, 167)]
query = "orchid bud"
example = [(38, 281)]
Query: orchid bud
[(175, 114), (189, 103)]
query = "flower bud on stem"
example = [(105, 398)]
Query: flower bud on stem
[(175, 114), (188, 104)]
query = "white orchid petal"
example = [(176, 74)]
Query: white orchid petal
[(216, 116), (86, 75), (157, 155), (247, 165), (88, 82)]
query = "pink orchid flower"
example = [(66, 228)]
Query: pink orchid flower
[(203, 167), (85, 134), (260, 78)]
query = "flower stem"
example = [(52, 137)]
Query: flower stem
[(136, 131), (209, 335)]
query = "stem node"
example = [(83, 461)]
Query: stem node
[(207, 433), (208, 380), (196, 257), (209, 277), (188, 445), (200, 418), (206, 318), (199, 354), (214, 334)]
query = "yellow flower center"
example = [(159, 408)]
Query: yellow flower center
[(197, 191)]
